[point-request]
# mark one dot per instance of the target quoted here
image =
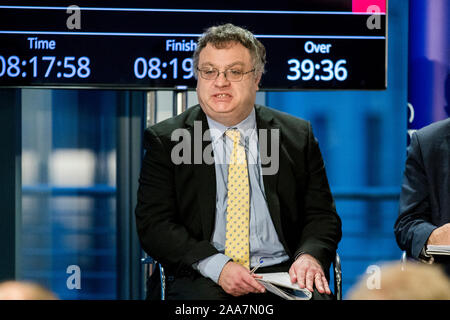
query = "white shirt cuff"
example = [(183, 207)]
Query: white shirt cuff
[(212, 266)]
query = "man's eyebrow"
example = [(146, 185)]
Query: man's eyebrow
[(209, 64)]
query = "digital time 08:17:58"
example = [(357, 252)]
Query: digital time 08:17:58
[(63, 67)]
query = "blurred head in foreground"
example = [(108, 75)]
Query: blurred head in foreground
[(16, 290), (417, 281)]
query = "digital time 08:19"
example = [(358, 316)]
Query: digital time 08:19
[(154, 68)]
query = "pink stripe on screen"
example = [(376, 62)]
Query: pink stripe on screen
[(364, 5)]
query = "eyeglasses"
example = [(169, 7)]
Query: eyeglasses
[(230, 74)]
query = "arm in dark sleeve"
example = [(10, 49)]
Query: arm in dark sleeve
[(322, 225), (159, 224), (413, 225)]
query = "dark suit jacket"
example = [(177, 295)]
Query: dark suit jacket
[(425, 195), (176, 205)]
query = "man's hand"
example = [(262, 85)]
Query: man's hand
[(307, 271), (237, 280), (440, 236)]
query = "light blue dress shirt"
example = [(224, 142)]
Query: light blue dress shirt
[(264, 242)]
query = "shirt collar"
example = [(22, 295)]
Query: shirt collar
[(246, 126)]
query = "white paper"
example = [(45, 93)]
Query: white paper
[(276, 281), (435, 249)]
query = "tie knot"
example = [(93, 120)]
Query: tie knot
[(233, 134)]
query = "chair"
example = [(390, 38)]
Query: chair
[(403, 260), (337, 277), (152, 265)]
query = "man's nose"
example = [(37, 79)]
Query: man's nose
[(221, 80)]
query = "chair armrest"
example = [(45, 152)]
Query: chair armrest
[(337, 277)]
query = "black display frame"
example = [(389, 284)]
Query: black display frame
[(349, 47)]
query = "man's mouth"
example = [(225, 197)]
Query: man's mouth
[(222, 95)]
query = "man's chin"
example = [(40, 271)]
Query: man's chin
[(221, 109)]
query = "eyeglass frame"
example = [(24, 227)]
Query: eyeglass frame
[(224, 74)]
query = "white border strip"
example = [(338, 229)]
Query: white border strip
[(195, 10), (196, 35)]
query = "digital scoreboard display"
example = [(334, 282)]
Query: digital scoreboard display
[(338, 44)]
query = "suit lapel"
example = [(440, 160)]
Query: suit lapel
[(264, 121), (205, 174)]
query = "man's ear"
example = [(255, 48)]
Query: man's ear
[(257, 80)]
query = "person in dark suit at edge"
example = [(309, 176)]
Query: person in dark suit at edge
[(424, 210), (185, 215)]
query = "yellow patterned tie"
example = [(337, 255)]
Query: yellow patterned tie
[(237, 245)]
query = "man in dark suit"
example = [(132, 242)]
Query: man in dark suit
[(234, 150), (424, 212)]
